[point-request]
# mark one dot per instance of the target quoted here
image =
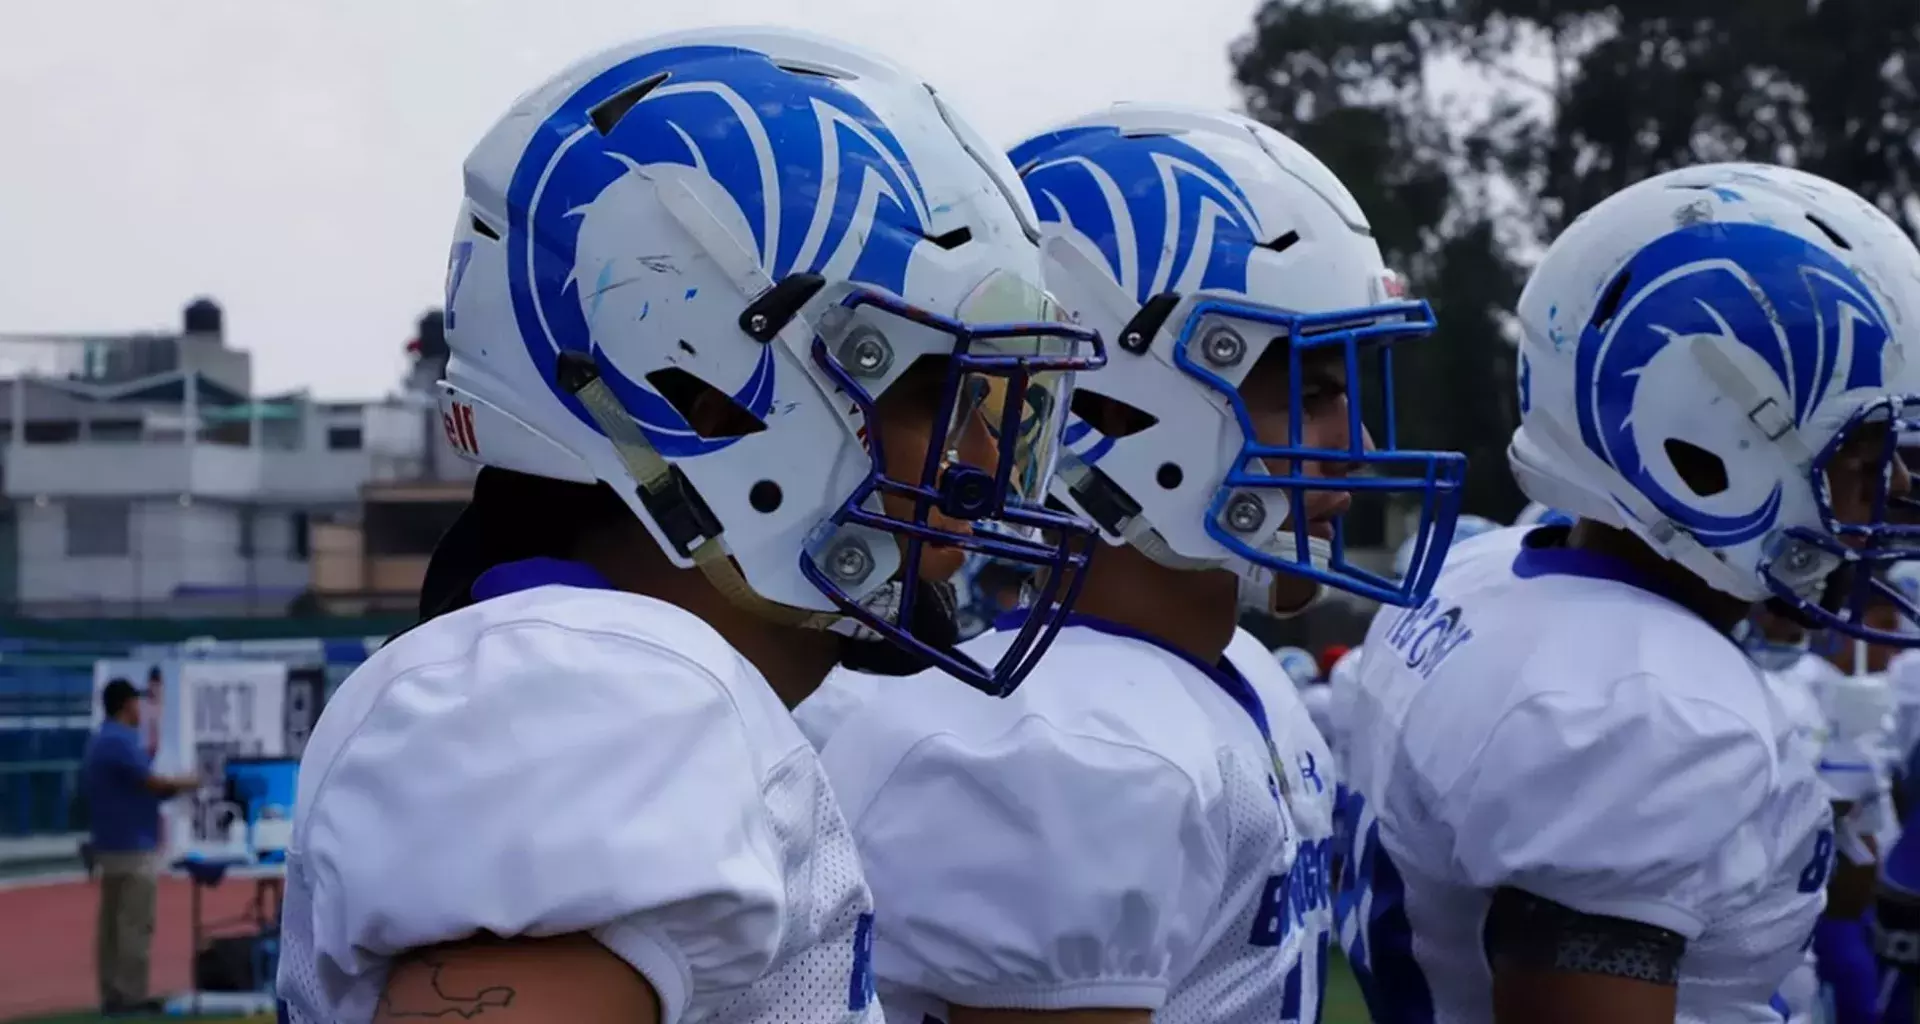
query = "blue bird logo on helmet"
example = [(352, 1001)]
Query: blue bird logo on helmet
[(1195, 231), (813, 176), (1721, 281)]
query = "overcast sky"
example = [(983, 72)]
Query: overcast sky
[(299, 159)]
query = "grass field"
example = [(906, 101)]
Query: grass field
[(1343, 1007)]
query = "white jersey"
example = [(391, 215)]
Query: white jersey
[(1316, 699), (1793, 686), (1903, 674), (1543, 724), (560, 760), (1343, 679), (1111, 835), (1309, 793), (1803, 729)]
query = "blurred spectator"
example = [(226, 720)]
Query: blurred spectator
[(123, 795)]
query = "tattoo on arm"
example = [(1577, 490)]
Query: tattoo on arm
[(430, 993)]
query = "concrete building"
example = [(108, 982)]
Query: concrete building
[(143, 476), (373, 562)]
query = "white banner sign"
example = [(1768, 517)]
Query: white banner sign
[(194, 715)]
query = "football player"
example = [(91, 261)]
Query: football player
[(1310, 787), (726, 309), (1837, 719), (1573, 802), (1117, 835), (1855, 764)]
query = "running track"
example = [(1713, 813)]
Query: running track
[(46, 940)]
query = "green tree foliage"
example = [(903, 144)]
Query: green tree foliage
[(1473, 130)]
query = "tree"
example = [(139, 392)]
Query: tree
[(1474, 130), (1625, 90), (1347, 80)]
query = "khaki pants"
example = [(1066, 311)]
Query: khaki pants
[(123, 939)]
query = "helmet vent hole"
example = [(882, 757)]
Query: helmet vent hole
[(1283, 243), (953, 239), (1609, 303), (608, 115), (1832, 235), (484, 229), (1704, 473), (1110, 416), (711, 412), (816, 70)]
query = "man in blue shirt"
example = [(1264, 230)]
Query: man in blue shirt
[(123, 796)]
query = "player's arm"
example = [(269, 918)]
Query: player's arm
[(507, 795), (569, 978), (169, 785), (132, 765), (1599, 822), (1023, 871), (1856, 862), (1551, 962)]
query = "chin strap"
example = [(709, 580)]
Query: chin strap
[(677, 509)]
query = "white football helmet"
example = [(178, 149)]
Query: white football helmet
[(1740, 320), (689, 266), (1195, 241), (1299, 665)]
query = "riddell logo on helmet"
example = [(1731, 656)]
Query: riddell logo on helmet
[(457, 418)]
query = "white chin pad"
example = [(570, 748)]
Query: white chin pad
[(1260, 586)]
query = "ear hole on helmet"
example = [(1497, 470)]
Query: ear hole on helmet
[(1110, 416), (711, 412), (608, 114), (484, 229), (1609, 303), (1704, 473), (1825, 229)]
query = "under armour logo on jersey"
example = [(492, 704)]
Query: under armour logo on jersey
[(1310, 772)]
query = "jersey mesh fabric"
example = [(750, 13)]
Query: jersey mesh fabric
[(821, 975), (299, 981), (1236, 980)]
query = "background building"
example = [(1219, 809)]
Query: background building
[(144, 477)]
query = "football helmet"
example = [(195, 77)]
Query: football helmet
[(691, 266), (1695, 352), (1195, 242), (1299, 665)]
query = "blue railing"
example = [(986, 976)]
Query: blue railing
[(46, 695), (46, 714)]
